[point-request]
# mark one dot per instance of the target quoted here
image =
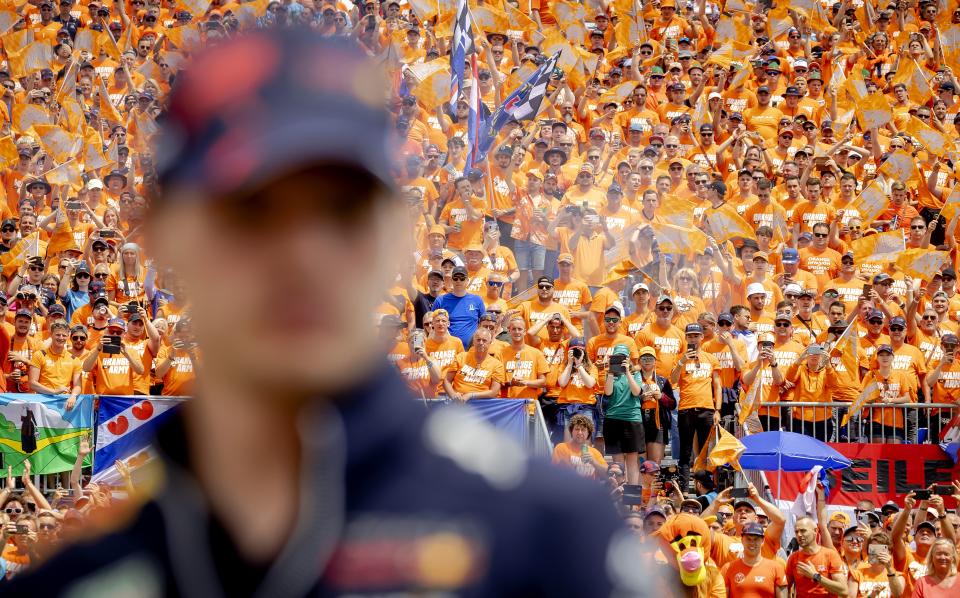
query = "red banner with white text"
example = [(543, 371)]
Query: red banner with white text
[(879, 472)]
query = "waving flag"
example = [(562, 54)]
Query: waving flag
[(725, 224), (922, 263), (522, 104), (870, 393), (806, 503), (899, 166), (880, 247), (721, 448), (871, 202), (932, 140), (912, 76), (677, 239), (873, 111), (125, 428), (951, 205), (463, 46), (748, 407), (41, 429)]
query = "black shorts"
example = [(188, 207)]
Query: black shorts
[(623, 437), (651, 432)]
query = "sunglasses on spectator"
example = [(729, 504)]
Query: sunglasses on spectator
[(36, 268), (917, 227), (459, 277), (545, 287), (821, 235), (12, 511), (84, 339), (665, 308), (929, 318), (611, 320), (47, 527), (105, 275), (782, 324), (724, 324), (896, 328), (8, 229), (494, 283)]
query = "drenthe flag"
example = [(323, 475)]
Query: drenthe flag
[(41, 429)]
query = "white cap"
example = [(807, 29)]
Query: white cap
[(639, 286), (714, 95), (616, 305), (800, 62), (755, 288), (94, 184), (933, 511), (792, 289)]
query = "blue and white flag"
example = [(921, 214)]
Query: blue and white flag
[(462, 46), (523, 104), (125, 429)]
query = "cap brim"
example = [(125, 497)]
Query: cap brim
[(285, 148)]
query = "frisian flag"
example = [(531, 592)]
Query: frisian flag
[(463, 46), (125, 430), (522, 104)]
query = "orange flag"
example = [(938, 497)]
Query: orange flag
[(933, 141), (724, 224), (186, 37), (873, 111), (67, 173), (25, 116), (676, 239), (880, 247), (911, 74), (35, 57), (8, 151), (490, 20), (871, 202), (900, 166), (434, 90), (62, 238), (197, 8), (922, 263), (87, 41), (59, 144), (869, 394), (21, 250)]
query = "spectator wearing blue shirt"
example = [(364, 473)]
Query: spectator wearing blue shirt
[(464, 308), (74, 287)]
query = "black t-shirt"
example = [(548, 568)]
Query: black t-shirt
[(421, 305)]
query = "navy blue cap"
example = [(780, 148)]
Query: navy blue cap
[(725, 317), (885, 349), (719, 187), (752, 529), (577, 341), (295, 99), (873, 314), (614, 188), (950, 339), (693, 329), (898, 321), (789, 255)]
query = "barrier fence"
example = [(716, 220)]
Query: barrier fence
[(912, 423)]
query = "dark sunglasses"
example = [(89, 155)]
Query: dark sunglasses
[(494, 283), (78, 338), (544, 287), (821, 235), (12, 511), (782, 324), (101, 275), (665, 308), (459, 277), (611, 320)]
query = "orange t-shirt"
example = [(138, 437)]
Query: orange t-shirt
[(826, 561), (178, 380), (565, 456), (753, 581), (528, 363), (473, 376), (696, 382), (666, 341)]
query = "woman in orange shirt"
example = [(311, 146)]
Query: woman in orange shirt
[(893, 388), (809, 378), (127, 277), (474, 374)]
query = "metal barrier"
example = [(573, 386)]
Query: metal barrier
[(912, 423)]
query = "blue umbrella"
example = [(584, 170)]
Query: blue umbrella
[(788, 451)]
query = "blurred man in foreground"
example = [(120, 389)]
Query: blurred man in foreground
[(290, 147)]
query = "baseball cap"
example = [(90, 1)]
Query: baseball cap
[(789, 255), (310, 100), (649, 467), (655, 510), (950, 339), (815, 349), (791, 90), (898, 321), (565, 258), (873, 314), (691, 502), (719, 187), (725, 317), (761, 255), (647, 351), (545, 279), (640, 286), (615, 306), (752, 529), (664, 298), (792, 289), (885, 349), (782, 316), (840, 517), (24, 313), (119, 323), (459, 270), (744, 503), (890, 507), (693, 329), (881, 277)]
